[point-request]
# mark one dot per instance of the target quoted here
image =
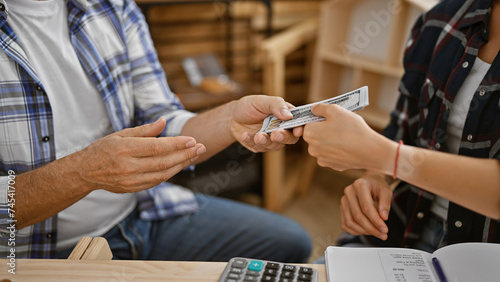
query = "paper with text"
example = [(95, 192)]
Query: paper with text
[(405, 265)]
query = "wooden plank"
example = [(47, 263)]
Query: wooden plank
[(56, 270), (286, 42), (394, 52), (192, 48), (80, 248), (364, 63), (239, 62), (91, 249), (178, 13), (190, 31), (98, 250)]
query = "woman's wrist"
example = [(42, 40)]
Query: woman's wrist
[(382, 155)]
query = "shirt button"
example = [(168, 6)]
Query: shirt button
[(458, 224), (39, 88), (482, 92), (45, 139), (469, 137), (437, 146), (49, 235), (420, 215), (465, 65)]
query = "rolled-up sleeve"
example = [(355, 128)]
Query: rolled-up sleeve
[(153, 97)]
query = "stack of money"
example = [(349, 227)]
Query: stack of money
[(352, 101)]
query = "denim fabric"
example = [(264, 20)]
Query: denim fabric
[(220, 230)]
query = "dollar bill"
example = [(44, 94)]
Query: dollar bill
[(352, 101)]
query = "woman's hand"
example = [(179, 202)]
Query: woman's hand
[(365, 206), (344, 141)]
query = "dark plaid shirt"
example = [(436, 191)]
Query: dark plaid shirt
[(442, 49)]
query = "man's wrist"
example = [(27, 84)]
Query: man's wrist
[(73, 169), (230, 122)]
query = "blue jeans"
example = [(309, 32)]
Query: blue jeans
[(220, 230)]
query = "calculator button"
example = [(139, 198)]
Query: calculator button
[(251, 278), (239, 263), (306, 270), (231, 280), (286, 280), (236, 270), (233, 276), (255, 265), (268, 278), (289, 267), (270, 271), (253, 273), (273, 265), (306, 277), (287, 274)]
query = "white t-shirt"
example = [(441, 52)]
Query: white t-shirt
[(79, 113), (456, 121)]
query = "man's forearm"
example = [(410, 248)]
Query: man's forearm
[(212, 129), (44, 192)]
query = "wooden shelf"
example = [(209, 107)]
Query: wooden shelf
[(361, 42), (362, 63), (378, 120)]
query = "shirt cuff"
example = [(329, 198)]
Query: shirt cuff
[(4, 203), (176, 121)]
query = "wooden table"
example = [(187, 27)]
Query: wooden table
[(113, 270)]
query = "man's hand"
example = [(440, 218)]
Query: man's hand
[(248, 114), (134, 159), (365, 206)]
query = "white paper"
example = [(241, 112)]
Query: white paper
[(406, 265), (353, 265)]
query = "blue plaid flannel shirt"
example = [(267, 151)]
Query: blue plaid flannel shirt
[(132, 83)]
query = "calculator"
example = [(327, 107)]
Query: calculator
[(240, 269)]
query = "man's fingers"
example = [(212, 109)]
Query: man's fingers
[(261, 139), (167, 162), (298, 131), (151, 179), (148, 130), (283, 137), (247, 140), (274, 105), (146, 147)]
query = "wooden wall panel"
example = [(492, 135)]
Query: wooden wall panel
[(183, 30)]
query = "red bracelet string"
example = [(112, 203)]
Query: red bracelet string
[(397, 158)]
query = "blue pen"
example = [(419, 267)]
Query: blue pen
[(439, 270)]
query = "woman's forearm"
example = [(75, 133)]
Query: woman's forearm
[(471, 182)]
